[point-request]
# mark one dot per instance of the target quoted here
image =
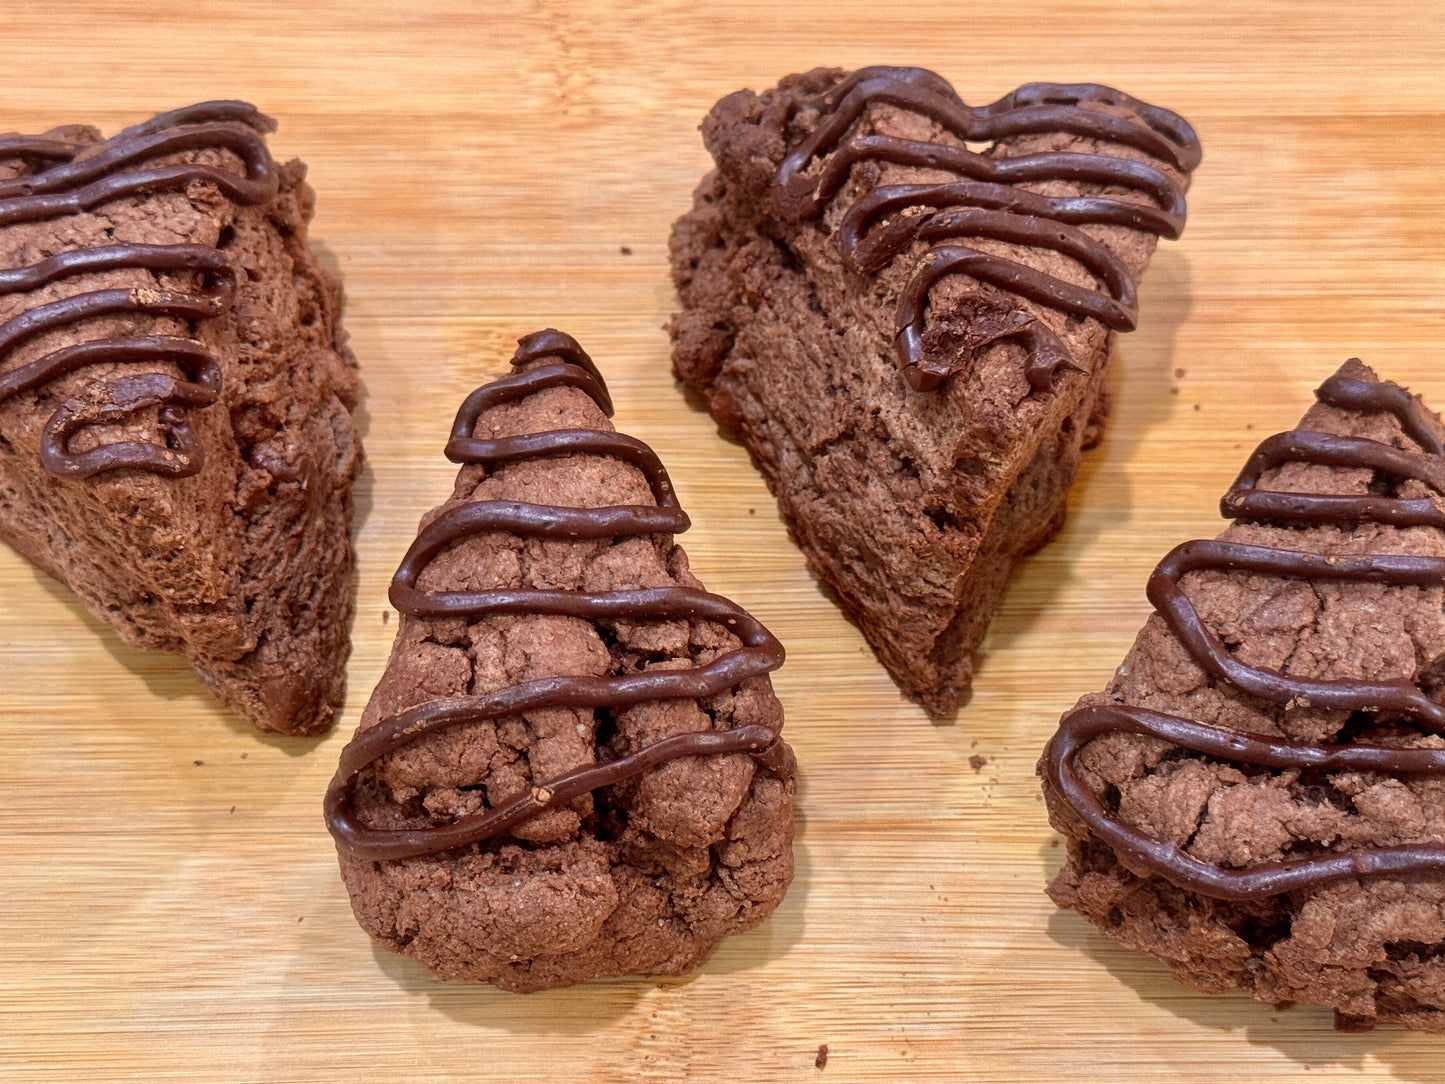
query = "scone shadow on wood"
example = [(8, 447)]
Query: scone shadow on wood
[(1141, 389), (168, 678), (1303, 1033), (566, 1011)]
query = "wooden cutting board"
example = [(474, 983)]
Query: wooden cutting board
[(171, 907)]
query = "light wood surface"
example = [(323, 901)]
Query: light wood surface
[(171, 907)]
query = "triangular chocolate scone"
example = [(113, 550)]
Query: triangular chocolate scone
[(572, 766), (1258, 797), (176, 442), (910, 335)]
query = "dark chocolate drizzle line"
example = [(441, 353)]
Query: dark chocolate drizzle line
[(1264, 879), (64, 185), (1210, 653), (985, 205), (1245, 501), (760, 651)]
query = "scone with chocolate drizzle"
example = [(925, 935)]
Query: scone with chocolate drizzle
[(1258, 797), (909, 335), (572, 766), (176, 442)]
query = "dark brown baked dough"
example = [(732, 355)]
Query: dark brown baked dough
[(475, 830), (913, 505), (1258, 796), (176, 441)]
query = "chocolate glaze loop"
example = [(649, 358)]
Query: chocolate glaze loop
[(70, 179), (1246, 501), (1145, 855), (985, 204)]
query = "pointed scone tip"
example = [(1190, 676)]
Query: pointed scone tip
[(551, 359), (1305, 727)]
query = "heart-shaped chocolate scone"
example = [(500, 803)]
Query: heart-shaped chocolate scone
[(910, 335)]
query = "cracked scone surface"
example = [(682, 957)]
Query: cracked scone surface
[(642, 877), (1365, 941), (912, 506), (244, 565)]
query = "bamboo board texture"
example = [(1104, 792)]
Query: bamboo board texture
[(172, 908)]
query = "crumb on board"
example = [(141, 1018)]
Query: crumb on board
[(977, 762), (821, 1061)]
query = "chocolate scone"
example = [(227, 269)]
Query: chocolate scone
[(910, 337), (1258, 796), (571, 767), (176, 441)]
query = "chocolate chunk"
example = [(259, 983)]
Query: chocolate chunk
[(176, 442), (572, 766), (1258, 796), (911, 336)]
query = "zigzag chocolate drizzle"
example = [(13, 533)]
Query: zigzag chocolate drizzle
[(984, 203), (760, 651), (1266, 878), (64, 185), (1246, 501)]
